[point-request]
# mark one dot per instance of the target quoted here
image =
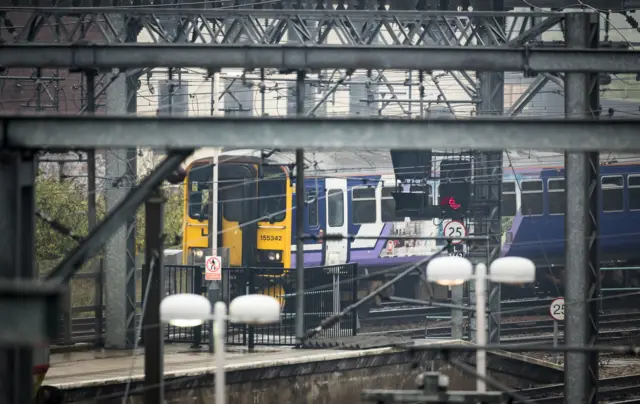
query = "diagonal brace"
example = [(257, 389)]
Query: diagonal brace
[(125, 209)]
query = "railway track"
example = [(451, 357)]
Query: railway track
[(394, 313), (614, 327), (623, 388)]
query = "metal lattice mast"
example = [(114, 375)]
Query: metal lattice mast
[(492, 103), (582, 266), (121, 168), (487, 188)]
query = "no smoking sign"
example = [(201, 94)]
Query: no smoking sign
[(213, 269)]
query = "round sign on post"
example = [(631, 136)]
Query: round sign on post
[(556, 309), (453, 229), (213, 269)]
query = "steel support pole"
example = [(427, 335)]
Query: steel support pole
[(91, 153), (121, 169), (214, 288), (153, 290), (17, 233), (92, 216), (581, 227), (488, 182), (300, 201)]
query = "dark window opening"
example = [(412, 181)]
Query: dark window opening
[(273, 194), (312, 207), (508, 187), (199, 183), (557, 201), (531, 202), (363, 204), (388, 206), (634, 192), (509, 204), (335, 199), (231, 199), (612, 193)]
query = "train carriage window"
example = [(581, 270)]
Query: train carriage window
[(557, 201), (388, 206), (531, 203), (509, 205), (363, 204), (335, 199), (612, 193), (312, 207), (633, 195)]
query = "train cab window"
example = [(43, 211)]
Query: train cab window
[(557, 201), (199, 183), (612, 193), (312, 207), (388, 206), (273, 194), (531, 202), (231, 197), (633, 194), (335, 200), (363, 204), (509, 205)]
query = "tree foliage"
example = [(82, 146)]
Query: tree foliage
[(66, 202), (172, 220)]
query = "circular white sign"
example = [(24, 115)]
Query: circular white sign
[(454, 230), (556, 309)]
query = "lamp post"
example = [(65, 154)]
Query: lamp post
[(454, 271), (191, 310)]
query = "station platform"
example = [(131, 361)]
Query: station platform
[(279, 374)]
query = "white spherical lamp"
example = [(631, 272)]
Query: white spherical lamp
[(254, 309), (449, 271), (512, 270), (185, 310)]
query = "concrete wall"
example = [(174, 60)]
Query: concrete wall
[(338, 381)]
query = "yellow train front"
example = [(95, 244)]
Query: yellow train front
[(254, 213)]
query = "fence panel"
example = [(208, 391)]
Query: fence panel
[(327, 291), (181, 279)]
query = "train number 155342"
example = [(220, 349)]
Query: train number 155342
[(266, 237)]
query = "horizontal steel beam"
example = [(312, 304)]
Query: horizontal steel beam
[(276, 13), (36, 132), (318, 57)]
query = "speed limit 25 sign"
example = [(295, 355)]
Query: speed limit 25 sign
[(556, 309), (455, 230)]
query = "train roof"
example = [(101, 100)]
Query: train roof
[(378, 162)]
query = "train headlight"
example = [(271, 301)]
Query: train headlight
[(270, 257), (198, 253)]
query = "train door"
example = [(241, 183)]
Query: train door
[(336, 251), (237, 194)]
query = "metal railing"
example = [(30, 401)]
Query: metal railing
[(327, 290)]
